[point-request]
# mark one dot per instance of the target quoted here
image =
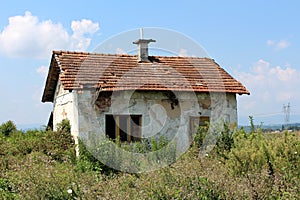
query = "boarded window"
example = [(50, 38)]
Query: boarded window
[(126, 127)]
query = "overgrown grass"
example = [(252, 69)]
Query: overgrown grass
[(40, 164)]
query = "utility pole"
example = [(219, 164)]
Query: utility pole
[(286, 111)]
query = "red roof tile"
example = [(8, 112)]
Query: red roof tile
[(111, 72)]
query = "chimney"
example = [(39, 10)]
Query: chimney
[(143, 47)]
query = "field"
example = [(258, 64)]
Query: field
[(40, 164)]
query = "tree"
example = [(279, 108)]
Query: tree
[(7, 128)]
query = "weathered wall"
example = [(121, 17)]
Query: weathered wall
[(88, 124), (65, 107), (161, 114)]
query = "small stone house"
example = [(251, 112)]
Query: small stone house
[(138, 96)]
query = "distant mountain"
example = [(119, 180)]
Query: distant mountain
[(25, 127), (274, 127)]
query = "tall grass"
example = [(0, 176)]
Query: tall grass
[(40, 164)]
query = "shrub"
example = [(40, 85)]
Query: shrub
[(268, 162), (7, 189), (60, 145), (8, 128), (131, 157), (64, 126), (200, 135), (86, 161), (225, 141), (252, 126)]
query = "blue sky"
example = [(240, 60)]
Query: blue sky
[(258, 42)]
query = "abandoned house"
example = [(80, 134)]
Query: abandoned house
[(138, 96)]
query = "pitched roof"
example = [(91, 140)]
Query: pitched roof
[(111, 72)]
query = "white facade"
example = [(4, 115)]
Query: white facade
[(65, 107)]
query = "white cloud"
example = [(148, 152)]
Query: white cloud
[(282, 44), (270, 42), (42, 70), (120, 51), (284, 75), (26, 36), (185, 53), (270, 87), (182, 52), (80, 30), (278, 45)]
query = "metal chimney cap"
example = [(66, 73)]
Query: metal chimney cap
[(147, 41)]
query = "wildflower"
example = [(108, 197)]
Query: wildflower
[(70, 191)]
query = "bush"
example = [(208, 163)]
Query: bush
[(38, 164), (225, 141), (64, 126), (8, 128), (87, 162), (268, 163), (200, 135), (7, 189), (130, 157), (60, 145)]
